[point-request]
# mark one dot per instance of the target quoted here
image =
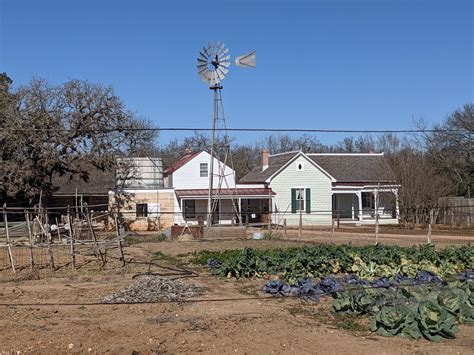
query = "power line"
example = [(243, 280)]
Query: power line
[(199, 129)]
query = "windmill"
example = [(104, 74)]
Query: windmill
[(213, 65)]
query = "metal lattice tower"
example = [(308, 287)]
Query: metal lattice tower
[(213, 64)]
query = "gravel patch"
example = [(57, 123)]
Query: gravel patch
[(154, 289)]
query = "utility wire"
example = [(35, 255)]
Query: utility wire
[(200, 129)]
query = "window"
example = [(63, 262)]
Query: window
[(300, 200), (368, 201), (189, 208), (142, 210), (203, 170)]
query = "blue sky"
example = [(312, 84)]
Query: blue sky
[(320, 64)]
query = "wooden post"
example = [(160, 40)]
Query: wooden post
[(9, 247), (50, 251), (269, 210), (429, 225), (30, 239), (300, 229), (376, 227), (71, 240), (98, 253), (338, 219), (158, 221), (57, 228), (119, 241), (284, 227), (332, 230)]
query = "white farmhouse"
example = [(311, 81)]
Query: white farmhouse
[(319, 187)]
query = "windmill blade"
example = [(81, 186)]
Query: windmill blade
[(224, 59), (224, 64), (248, 60), (202, 55), (223, 70), (222, 49), (203, 61), (220, 75)]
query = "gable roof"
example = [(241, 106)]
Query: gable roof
[(355, 167), (340, 166), (275, 162), (180, 162)]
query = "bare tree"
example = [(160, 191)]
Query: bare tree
[(65, 129), (451, 147)]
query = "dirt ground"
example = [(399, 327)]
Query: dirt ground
[(59, 313)]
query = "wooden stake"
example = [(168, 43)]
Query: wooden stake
[(50, 251), (300, 229), (71, 240), (332, 230), (119, 241), (284, 228), (9, 247), (98, 253), (57, 228), (30, 239), (376, 228), (429, 225)]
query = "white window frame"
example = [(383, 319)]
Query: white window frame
[(298, 201), (201, 165)]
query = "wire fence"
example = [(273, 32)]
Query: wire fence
[(79, 235)]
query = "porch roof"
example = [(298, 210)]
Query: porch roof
[(239, 192)]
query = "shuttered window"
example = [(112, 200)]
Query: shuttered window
[(300, 200)]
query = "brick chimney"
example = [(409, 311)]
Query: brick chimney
[(265, 154)]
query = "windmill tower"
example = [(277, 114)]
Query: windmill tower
[(213, 65)]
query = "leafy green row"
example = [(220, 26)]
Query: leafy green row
[(429, 311), (367, 262)]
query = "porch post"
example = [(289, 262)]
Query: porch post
[(359, 198)]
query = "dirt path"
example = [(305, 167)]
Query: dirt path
[(58, 315)]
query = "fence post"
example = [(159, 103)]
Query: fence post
[(57, 228), (158, 221), (332, 230), (48, 243), (284, 227), (30, 239), (376, 227), (10, 254), (119, 241), (97, 253), (338, 219), (71, 240), (300, 229), (429, 226)]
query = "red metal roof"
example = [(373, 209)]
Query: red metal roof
[(225, 192), (179, 163)]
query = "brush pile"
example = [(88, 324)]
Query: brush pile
[(154, 289)]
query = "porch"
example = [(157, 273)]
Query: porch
[(232, 206), (362, 205)]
